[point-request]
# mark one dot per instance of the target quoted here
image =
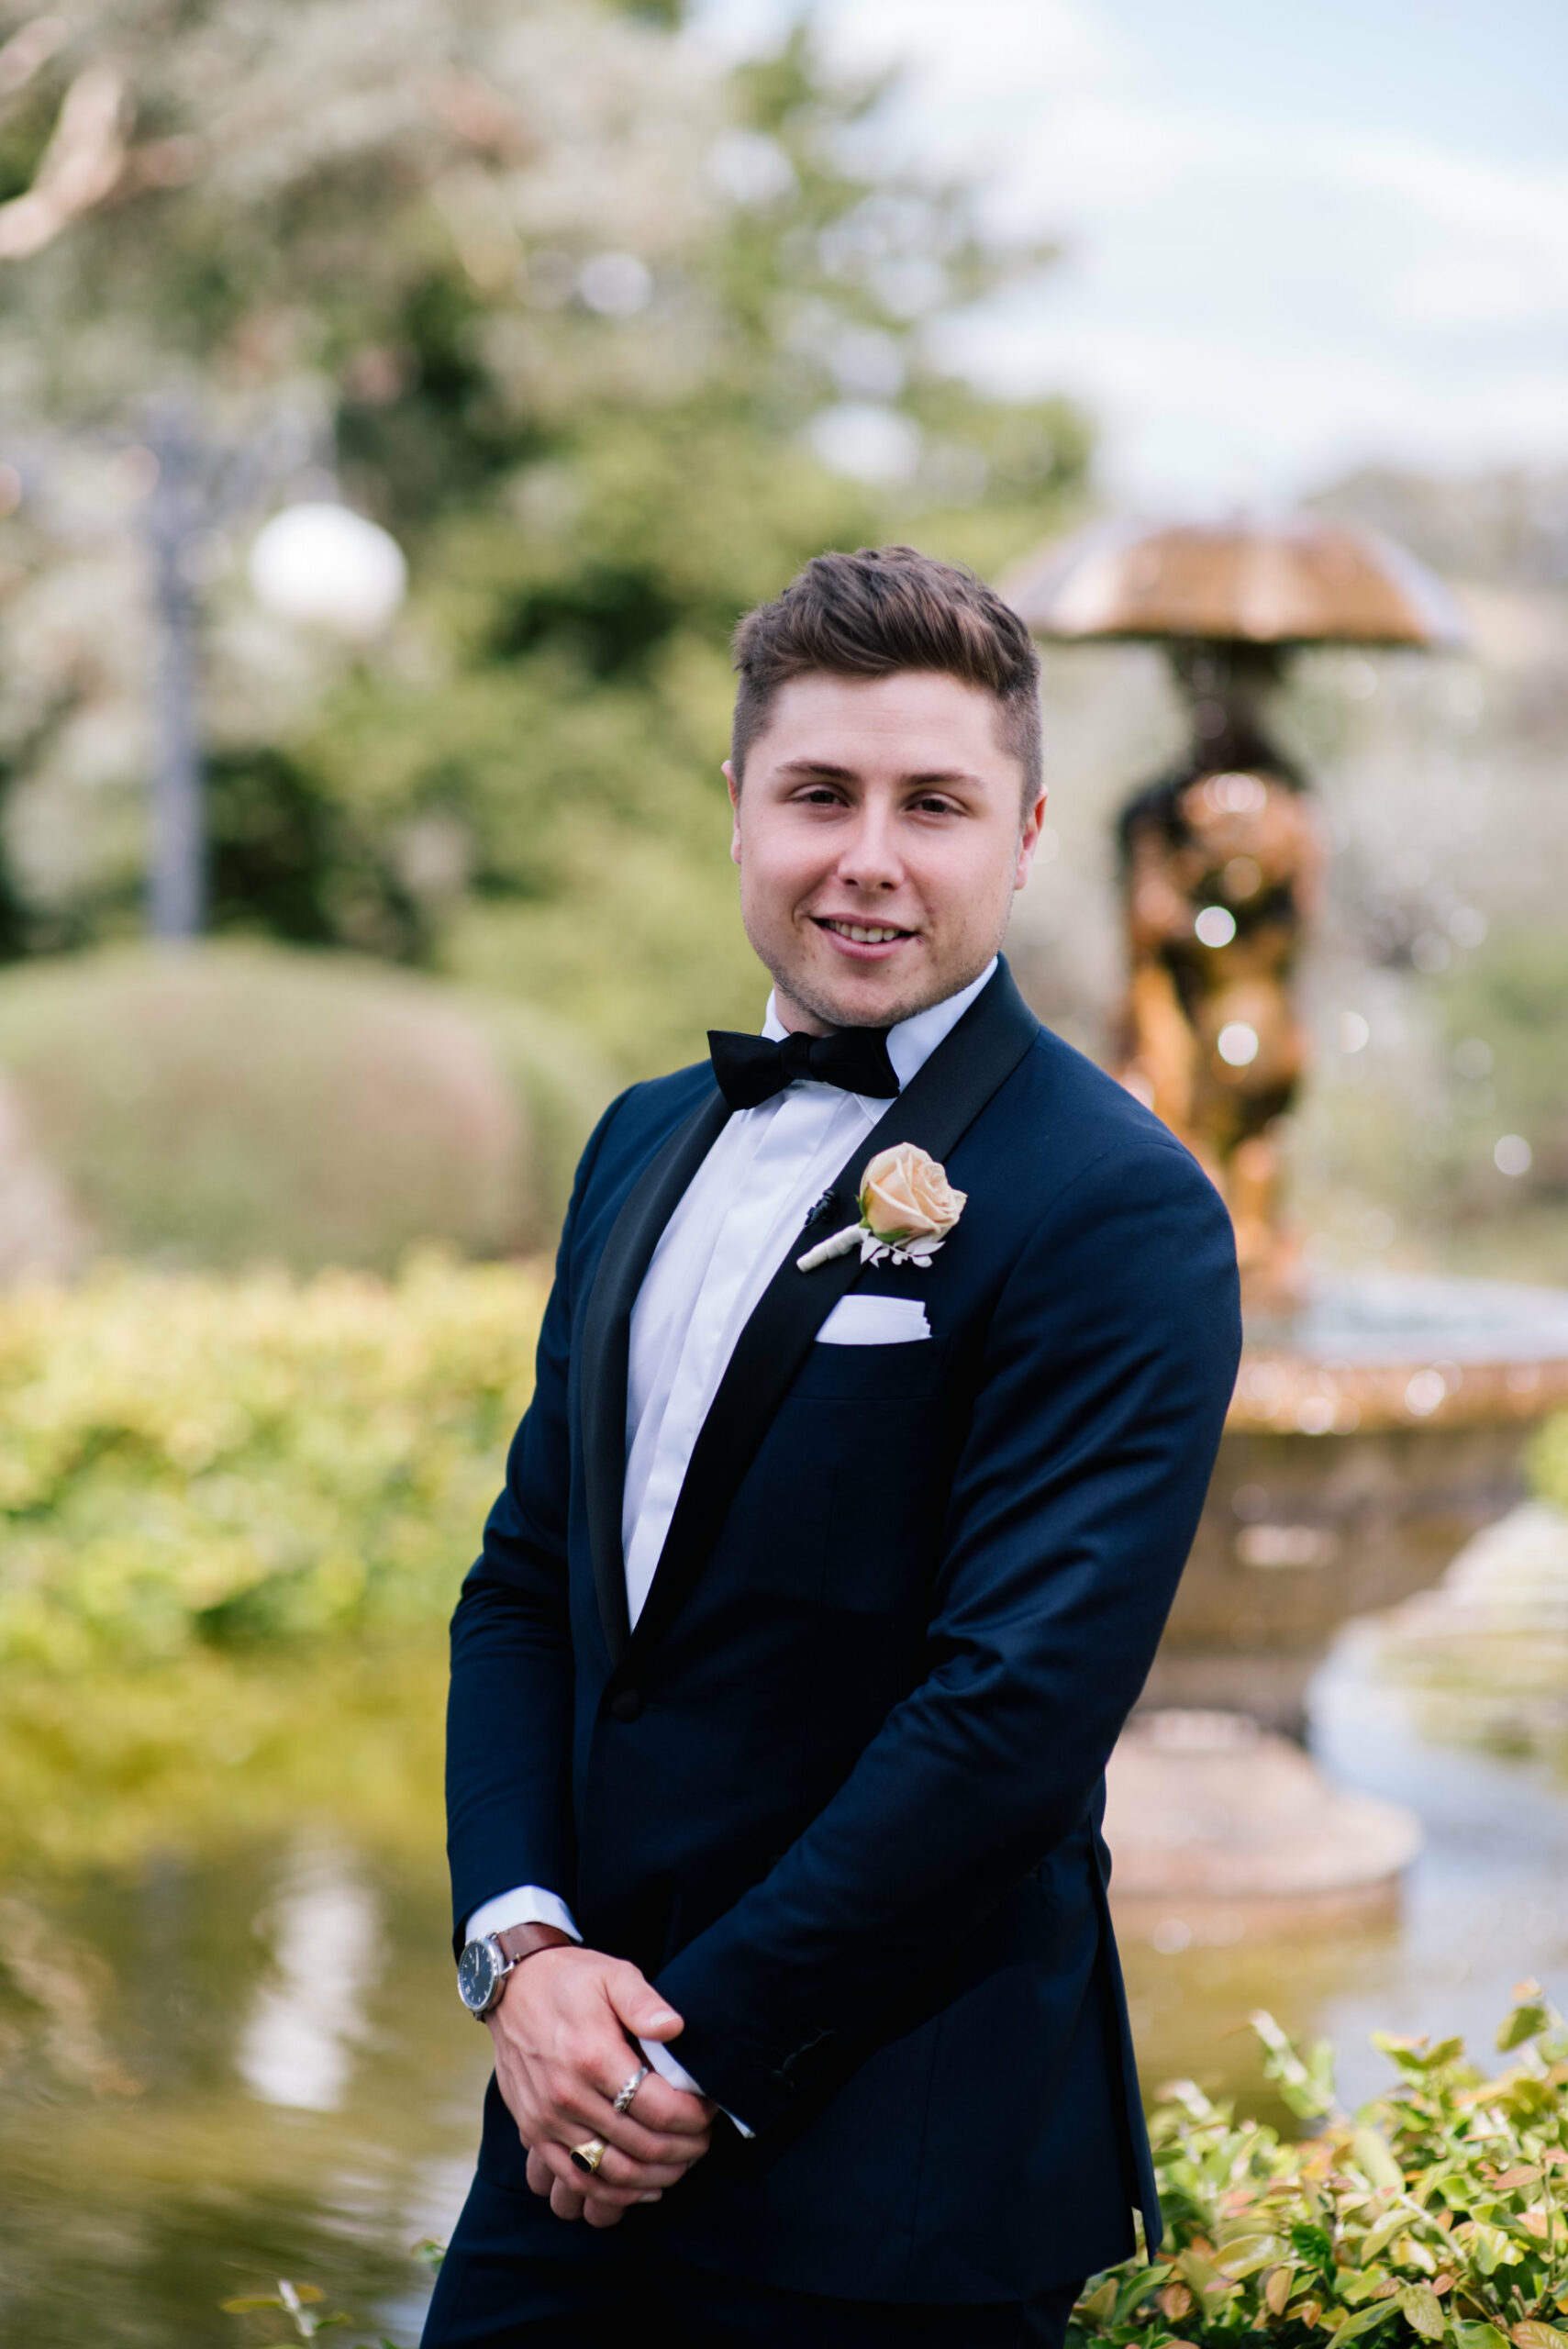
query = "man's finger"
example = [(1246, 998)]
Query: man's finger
[(671, 2111), (639, 2143), (583, 2110), (656, 2111), (576, 2183), (616, 2170), (541, 2177), (566, 2203), (638, 2007)]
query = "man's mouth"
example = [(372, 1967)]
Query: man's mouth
[(863, 933)]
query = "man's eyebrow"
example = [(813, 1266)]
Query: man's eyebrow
[(922, 780)]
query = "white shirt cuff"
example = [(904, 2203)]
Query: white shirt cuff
[(525, 1904), (667, 2067)]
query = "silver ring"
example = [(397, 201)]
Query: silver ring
[(623, 2098)]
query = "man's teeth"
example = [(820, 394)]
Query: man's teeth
[(861, 936)]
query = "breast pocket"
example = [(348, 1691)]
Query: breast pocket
[(891, 1371), (844, 1501)]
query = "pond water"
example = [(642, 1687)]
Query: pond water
[(224, 2067)]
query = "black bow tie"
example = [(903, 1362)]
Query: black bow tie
[(753, 1068)]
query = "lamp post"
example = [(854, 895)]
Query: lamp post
[(314, 563), (173, 514)]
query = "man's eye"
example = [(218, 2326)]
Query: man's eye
[(936, 806)]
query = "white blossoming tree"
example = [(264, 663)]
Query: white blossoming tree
[(588, 323)]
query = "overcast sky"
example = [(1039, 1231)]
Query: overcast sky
[(1300, 237)]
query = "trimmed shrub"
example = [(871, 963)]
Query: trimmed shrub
[(235, 1104), (1438, 2213)]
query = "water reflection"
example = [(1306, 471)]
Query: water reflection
[(67, 1983), (308, 2093), (325, 1931), (124, 2224)]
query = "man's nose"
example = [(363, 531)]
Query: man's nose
[(870, 859)]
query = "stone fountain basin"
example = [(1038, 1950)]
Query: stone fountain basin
[(1369, 1437), (1221, 1831)]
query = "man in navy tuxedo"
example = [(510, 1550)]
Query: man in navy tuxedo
[(822, 1582)]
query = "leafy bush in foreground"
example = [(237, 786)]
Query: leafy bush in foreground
[(189, 1461), (1438, 2213)]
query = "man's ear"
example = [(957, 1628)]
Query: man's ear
[(1028, 837), (734, 789)]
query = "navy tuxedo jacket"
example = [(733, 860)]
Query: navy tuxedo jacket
[(838, 1792)]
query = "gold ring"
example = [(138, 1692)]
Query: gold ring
[(588, 2158)]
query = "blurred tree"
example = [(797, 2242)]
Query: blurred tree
[(610, 338)]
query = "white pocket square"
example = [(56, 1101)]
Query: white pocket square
[(874, 1322)]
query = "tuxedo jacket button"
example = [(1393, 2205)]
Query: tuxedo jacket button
[(626, 1705)]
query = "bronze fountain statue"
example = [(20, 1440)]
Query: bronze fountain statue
[(1377, 1423), (1220, 870), (1222, 859)]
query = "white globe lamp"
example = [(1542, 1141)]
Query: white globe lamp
[(326, 567)]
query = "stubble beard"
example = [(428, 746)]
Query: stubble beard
[(817, 1003)]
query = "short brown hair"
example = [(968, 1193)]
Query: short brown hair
[(881, 610)]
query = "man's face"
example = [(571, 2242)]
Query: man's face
[(879, 839)]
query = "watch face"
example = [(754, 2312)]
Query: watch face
[(477, 1970)]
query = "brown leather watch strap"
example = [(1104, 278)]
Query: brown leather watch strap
[(526, 1941)]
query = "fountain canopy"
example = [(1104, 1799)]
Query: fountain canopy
[(1300, 581)]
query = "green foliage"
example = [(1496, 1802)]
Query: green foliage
[(1547, 1460), (1506, 1017), (192, 1464), (1438, 2213), (295, 2300), (390, 237), (238, 1104)]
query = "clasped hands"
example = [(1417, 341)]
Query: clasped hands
[(564, 2035)]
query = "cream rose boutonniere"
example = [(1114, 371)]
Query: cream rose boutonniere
[(907, 1207)]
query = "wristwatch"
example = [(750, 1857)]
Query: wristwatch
[(483, 1968)]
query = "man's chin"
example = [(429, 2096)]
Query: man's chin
[(879, 995)]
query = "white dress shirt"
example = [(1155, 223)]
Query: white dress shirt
[(742, 1210)]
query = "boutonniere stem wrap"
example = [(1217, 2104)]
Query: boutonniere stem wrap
[(907, 1207)]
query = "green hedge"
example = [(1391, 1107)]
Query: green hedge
[(1436, 2214), (192, 1460)]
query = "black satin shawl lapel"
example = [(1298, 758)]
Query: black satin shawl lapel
[(607, 1325), (936, 1106)]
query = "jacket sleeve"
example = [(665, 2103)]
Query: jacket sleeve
[(509, 1705), (1077, 1492)]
